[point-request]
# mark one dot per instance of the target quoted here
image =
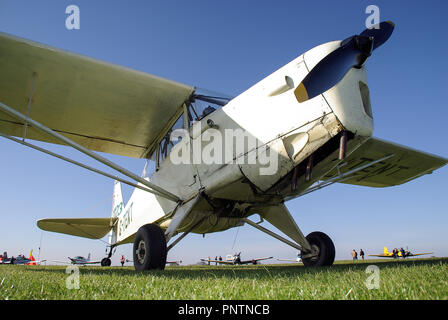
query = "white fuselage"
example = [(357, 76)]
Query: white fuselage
[(286, 132)]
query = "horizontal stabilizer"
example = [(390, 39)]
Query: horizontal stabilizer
[(92, 228), (405, 165)]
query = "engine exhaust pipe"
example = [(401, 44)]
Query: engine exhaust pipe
[(343, 145)]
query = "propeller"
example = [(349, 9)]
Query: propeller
[(352, 53)]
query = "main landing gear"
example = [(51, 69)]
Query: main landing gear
[(150, 249), (106, 262), (317, 249), (323, 249)]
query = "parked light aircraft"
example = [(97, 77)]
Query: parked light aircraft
[(79, 260), (20, 259), (236, 259), (304, 127), (407, 253)]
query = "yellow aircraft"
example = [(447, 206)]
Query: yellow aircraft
[(397, 254)]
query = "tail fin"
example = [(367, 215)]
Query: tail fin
[(31, 256), (32, 260), (385, 250), (117, 208), (117, 200), (88, 257)]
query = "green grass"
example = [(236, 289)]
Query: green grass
[(403, 279)]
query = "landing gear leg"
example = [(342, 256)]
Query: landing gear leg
[(106, 262)]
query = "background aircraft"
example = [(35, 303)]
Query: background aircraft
[(20, 259), (407, 253), (79, 260), (236, 259)]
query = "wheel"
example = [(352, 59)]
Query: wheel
[(106, 262), (322, 243), (149, 248)]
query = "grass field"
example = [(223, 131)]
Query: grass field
[(399, 279)]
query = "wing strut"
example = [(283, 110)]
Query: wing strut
[(152, 187), (340, 177), (79, 164)]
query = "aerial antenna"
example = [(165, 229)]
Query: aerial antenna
[(40, 244), (236, 235)]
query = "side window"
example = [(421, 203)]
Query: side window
[(167, 143), (200, 110)]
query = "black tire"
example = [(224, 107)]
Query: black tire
[(325, 247), (149, 249), (106, 262)]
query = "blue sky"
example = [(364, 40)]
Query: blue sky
[(227, 46)]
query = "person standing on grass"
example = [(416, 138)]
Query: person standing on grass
[(122, 261), (395, 253), (403, 254), (354, 254), (361, 253)]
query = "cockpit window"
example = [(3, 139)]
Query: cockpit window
[(168, 142)]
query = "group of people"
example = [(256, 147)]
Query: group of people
[(216, 259), (355, 254), (396, 251)]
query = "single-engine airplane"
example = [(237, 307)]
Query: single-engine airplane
[(78, 260), (20, 259), (83, 261), (217, 161), (236, 260), (398, 254)]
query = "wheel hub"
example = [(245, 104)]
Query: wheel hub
[(141, 251), (315, 251)]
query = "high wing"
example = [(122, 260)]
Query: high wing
[(59, 261), (92, 228), (84, 262), (406, 164), (419, 254), (101, 106), (292, 260), (380, 255), (255, 260), (287, 260), (219, 261)]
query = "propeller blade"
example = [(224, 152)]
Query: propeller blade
[(352, 53), (381, 33)]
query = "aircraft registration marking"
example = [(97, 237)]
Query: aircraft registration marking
[(125, 221)]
